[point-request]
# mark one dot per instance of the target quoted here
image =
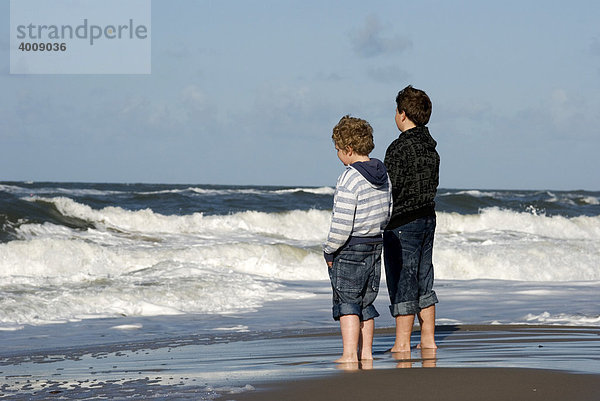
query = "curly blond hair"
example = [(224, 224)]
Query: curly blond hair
[(354, 133)]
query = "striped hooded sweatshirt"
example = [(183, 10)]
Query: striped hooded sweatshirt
[(362, 206)]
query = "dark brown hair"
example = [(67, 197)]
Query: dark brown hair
[(416, 105)]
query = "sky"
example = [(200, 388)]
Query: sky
[(247, 93)]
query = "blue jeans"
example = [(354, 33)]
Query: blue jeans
[(408, 254), (355, 276)]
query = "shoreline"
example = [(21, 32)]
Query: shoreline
[(243, 365), (434, 384)]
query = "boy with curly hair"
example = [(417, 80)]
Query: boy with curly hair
[(361, 210)]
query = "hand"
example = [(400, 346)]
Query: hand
[(329, 264)]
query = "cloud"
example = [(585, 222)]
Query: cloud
[(560, 115), (107, 117), (282, 105), (388, 75), (194, 98), (190, 109), (370, 41), (291, 111)]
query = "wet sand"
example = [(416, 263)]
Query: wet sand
[(472, 362), (450, 384)]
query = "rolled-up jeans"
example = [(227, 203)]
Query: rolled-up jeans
[(355, 276), (408, 259)]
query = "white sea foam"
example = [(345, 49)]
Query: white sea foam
[(590, 200), (316, 191), (54, 279), (136, 326), (211, 191), (252, 191), (518, 302), (141, 263), (10, 188), (79, 260), (231, 390), (168, 287), (11, 327), (52, 190), (308, 225), (572, 198), (520, 223), (206, 191), (199, 190), (563, 318), (503, 244), (239, 328), (478, 194)]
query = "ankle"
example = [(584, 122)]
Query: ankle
[(401, 347)]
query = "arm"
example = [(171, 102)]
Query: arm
[(390, 202), (342, 219), (395, 164)]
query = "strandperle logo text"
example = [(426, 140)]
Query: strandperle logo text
[(85, 30)]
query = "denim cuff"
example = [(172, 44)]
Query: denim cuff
[(369, 313), (427, 300), (405, 308), (345, 309), (413, 307), (353, 309)]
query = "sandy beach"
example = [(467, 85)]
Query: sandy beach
[(437, 384), (473, 362)]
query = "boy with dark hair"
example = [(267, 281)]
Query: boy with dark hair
[(361, 211), (413, 166)]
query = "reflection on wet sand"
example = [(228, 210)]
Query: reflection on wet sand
[(366, 364), (424, 357), (428, 358)]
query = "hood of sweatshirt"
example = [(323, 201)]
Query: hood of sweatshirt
[(374, 171)]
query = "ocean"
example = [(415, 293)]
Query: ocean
[(223, 258)]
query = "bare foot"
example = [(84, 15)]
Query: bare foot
[(404, 365), (427, 346), (351, 366), (428, 355), (401, 348), (347, 359), (404, 359)]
